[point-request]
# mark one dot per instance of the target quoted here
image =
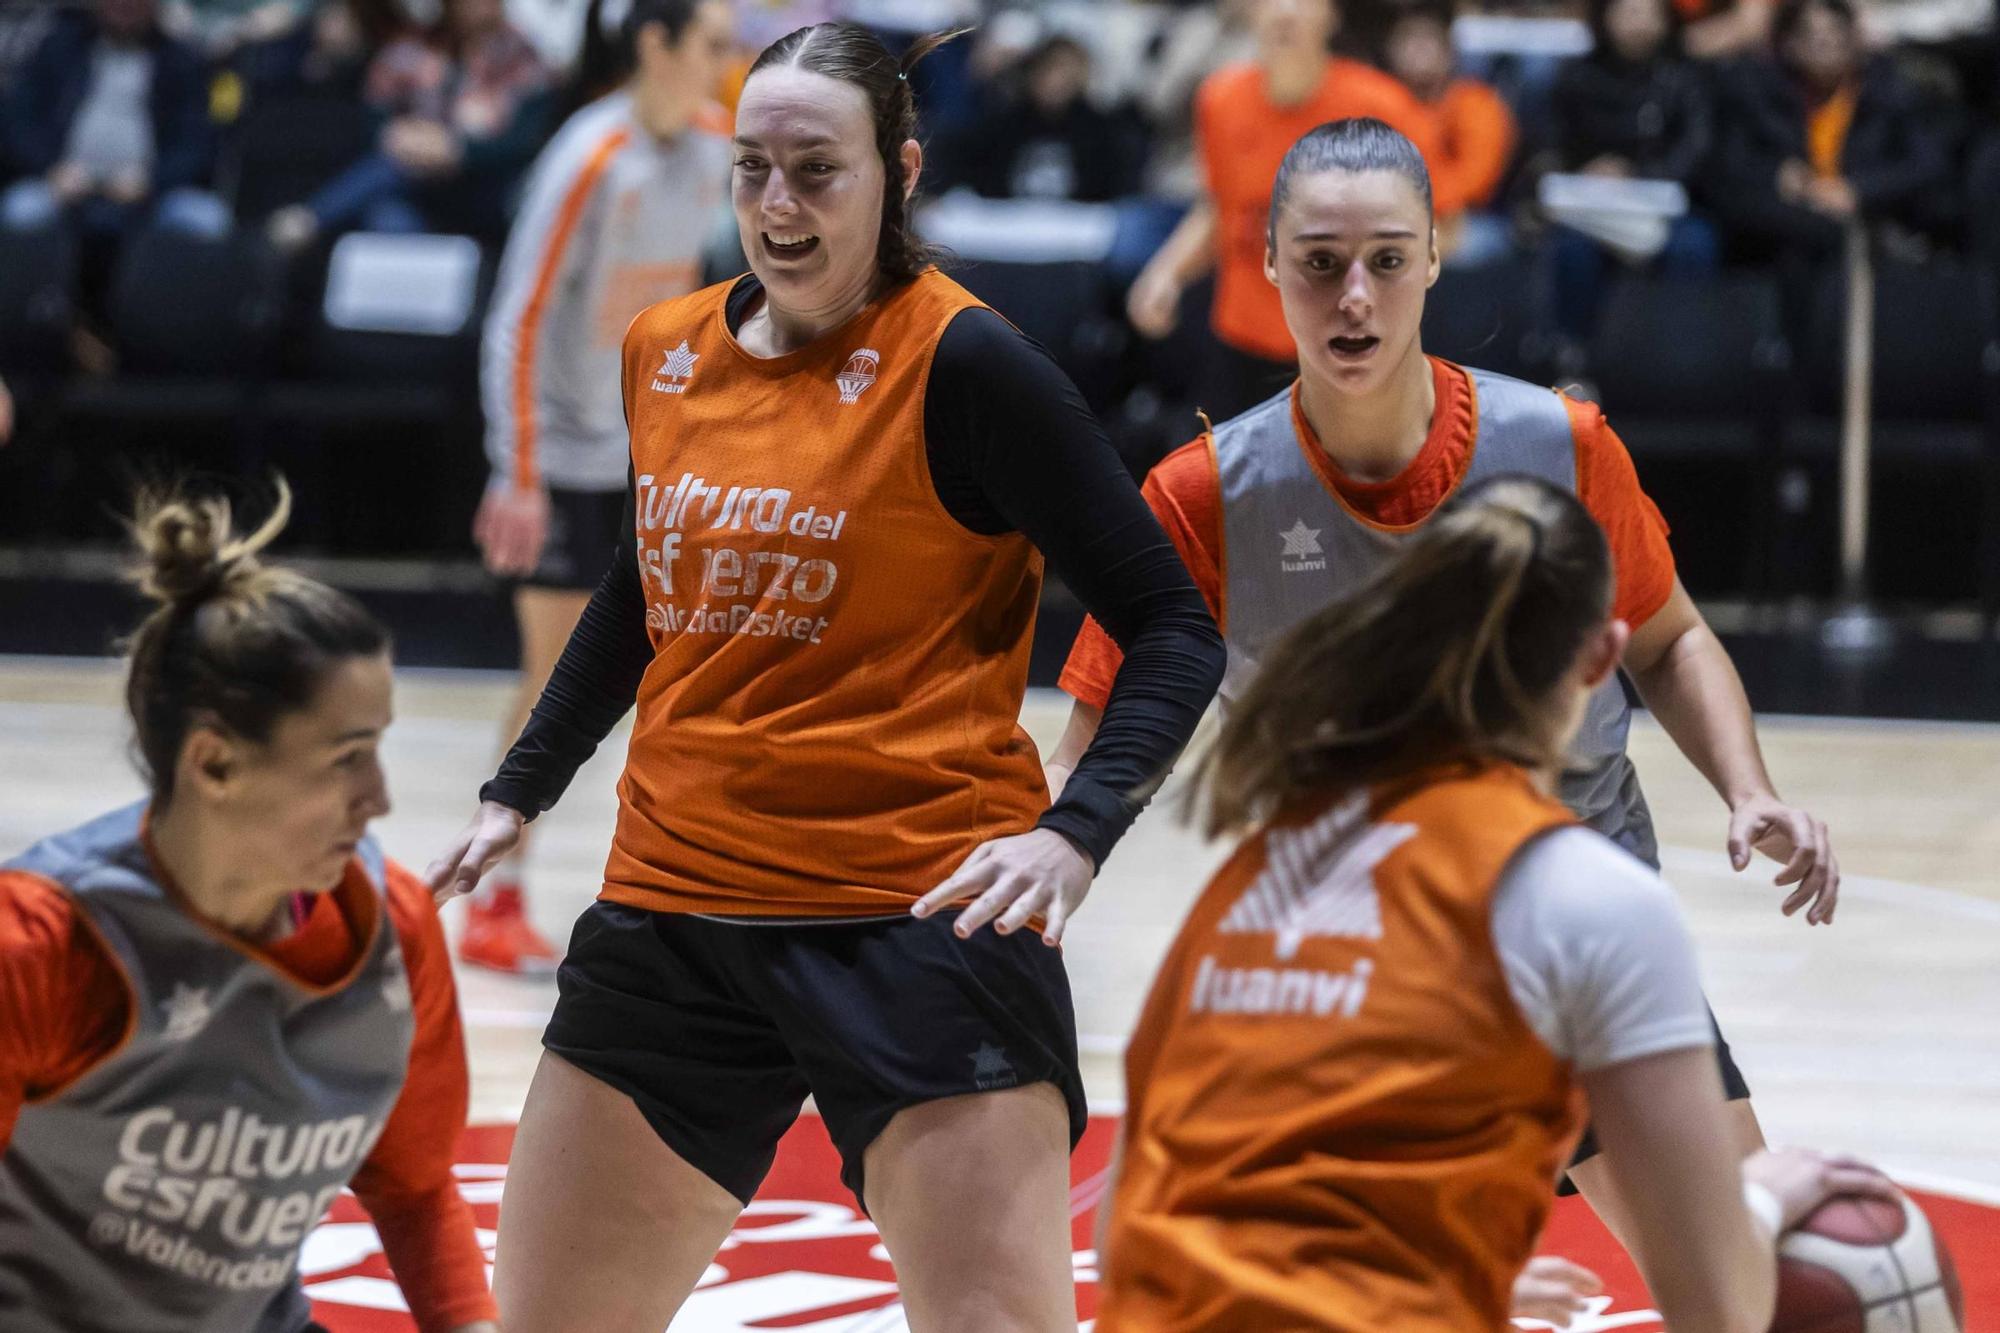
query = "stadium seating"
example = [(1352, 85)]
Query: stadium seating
[(37, 292), (1935, 393), (1695, 375), (286, 148), (1484, 317), (1064, 307)]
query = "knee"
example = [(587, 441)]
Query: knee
[(994, 1301)]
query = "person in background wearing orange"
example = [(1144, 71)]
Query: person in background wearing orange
[(1474, 135), (1359, 1066), (1817, 137), (1246, 116), (222, 1005), (1286, 507), (614, 218)]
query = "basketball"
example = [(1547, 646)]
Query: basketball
[(1858, 1265)]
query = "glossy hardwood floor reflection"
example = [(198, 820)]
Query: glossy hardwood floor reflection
[(1879, 1034)]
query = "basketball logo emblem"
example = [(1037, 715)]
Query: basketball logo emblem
[(857, 374)]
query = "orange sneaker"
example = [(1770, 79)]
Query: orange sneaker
[(498, 935)]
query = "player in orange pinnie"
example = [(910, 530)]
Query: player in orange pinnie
[(847, 474), (1358, 1070)]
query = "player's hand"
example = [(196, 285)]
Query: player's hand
[(1791, 835), (1154, 303), (1554, 1290), (1802, 1180), (1039, 873), (1834, 197), (492, 834), (511, 528), (6, 414)]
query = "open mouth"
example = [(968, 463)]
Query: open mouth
[(789, 245), (1353, 345)]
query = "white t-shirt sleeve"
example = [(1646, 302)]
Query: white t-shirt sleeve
[(1596, 952)]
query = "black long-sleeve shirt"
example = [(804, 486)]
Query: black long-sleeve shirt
[(1011, 448)]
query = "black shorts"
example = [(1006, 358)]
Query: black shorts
[(1734, 1088), (583, 535), (717, 1030)]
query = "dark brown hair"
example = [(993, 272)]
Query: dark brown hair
[(1451, 651), (233, 642), (852, 54), (1357, 144)]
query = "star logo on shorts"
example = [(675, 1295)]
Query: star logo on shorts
[(187, 1012), (991, 1068)]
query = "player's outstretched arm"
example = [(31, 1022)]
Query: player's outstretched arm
[(1706, 1237), (1684, 675)]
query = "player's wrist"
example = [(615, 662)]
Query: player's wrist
[(1767, 1213)]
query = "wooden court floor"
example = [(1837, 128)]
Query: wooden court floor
[(1878, 1035)]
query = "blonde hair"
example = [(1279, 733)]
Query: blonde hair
[(231, 641), (1452, 651)]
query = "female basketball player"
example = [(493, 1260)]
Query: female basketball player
[(847, 474), (1356, 1072), (222, 1005), (1287, 506), (617, 208)]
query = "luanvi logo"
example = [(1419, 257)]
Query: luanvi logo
[(1302, 553), (676, 369)]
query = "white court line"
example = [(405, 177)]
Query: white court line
[(1896, 893), (507, 1018), (1951, 902)]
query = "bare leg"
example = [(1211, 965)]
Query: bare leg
[(603, 1228), (547, 617), (1595, 1183), (972, 1197)]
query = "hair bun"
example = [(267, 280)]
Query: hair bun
[(187, 551)]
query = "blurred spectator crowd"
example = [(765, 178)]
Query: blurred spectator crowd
[(1575, 147)]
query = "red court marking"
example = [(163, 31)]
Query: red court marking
[(803, 1258)]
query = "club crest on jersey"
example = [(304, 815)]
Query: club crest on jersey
[(1319, 880), (675, 370), (859, 372), (1303, 553), (187, 1012)]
